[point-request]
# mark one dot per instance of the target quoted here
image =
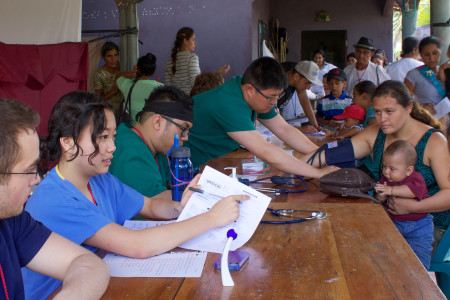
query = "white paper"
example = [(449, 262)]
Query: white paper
[(174, 264), (250, 211), (442, 108)]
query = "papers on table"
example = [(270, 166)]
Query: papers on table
[(174, 264), (250, 211)]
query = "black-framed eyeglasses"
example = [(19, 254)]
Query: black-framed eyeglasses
[(184, 131), (268, 98), (35, 173)]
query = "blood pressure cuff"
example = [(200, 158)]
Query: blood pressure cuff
[(338, 153)]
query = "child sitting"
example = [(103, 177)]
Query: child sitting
[(401, 180), (362, 96), (334, 103), (353, 115)]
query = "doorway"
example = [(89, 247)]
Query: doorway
[(332, 42)]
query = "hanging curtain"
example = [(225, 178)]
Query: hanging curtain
[(39, 75)]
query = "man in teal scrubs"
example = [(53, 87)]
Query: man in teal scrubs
[(224, 118), (140, 159)]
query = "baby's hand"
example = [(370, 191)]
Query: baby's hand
[(383, 190)]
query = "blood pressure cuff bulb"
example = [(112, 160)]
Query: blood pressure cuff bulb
[(339, 153)]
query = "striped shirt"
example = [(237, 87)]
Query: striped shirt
[(187, 68), (330, 106)]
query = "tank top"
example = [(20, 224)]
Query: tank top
[(441, 219)]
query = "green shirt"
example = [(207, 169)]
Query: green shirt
[(142, 89), (217, 112), (135, 165)]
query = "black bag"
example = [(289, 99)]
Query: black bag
[(123, 114), (347, 182)]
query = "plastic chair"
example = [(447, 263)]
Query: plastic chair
[(441, 267)]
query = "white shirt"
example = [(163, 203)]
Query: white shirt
[(398, 69), (370, 73), (318, 90), (293, 109)]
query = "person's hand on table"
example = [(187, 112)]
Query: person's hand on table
[(271, 171), (188, 193), (328, 169), (308, 129)]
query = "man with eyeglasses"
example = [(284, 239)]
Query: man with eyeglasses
[(364, 69), (140, 159), (24, 242), (224, 118)]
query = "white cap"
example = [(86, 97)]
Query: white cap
[(309, 70)]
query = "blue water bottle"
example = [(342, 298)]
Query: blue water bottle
[(182, 170)]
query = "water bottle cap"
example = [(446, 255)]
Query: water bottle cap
[(180, 152)]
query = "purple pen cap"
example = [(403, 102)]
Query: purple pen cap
[(231, 233)]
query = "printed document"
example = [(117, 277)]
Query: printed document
[(173, 264), (217, 186)]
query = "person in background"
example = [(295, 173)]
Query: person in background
[(353, 115), (410, 60), (224, 118), (105, 77), (334, 103), (401, 180), (140, 159), (80, 200), (377, 59), (142, 86), (444, 73), (362, 96), (364, 69), (423, 81), (324, 68), (351, 58), (206, 81), (289, 104), (183, 66), (382, 53), (24, 242)]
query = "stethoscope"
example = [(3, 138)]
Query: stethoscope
[(318, 215), (278, 180)]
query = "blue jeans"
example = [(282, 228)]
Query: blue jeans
[(419, 235)]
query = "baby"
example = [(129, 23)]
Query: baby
[(353, 116), (401, 180)]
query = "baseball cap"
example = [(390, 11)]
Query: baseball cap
[(336, 73), (352, 111), (309, 70)]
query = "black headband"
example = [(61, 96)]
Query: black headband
[(176, 110)]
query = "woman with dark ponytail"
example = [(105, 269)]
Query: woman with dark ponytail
[(183, 66), (142, 85), (400, 118), (80, 200)]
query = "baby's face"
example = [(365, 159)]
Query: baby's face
[(395, 168), (349, 122)]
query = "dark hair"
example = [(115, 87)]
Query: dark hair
[(288, 66), (429, 40), (147, 64), (405, 149), (15, 117), (265, 73), (182, 34), (108, 46), (206, 81), (319, 51), (409, 44), (71, 114), (367, 87), (382, 55), (167, 93), (351, 54), (400, 92)]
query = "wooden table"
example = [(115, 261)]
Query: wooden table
[(355, 253)]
